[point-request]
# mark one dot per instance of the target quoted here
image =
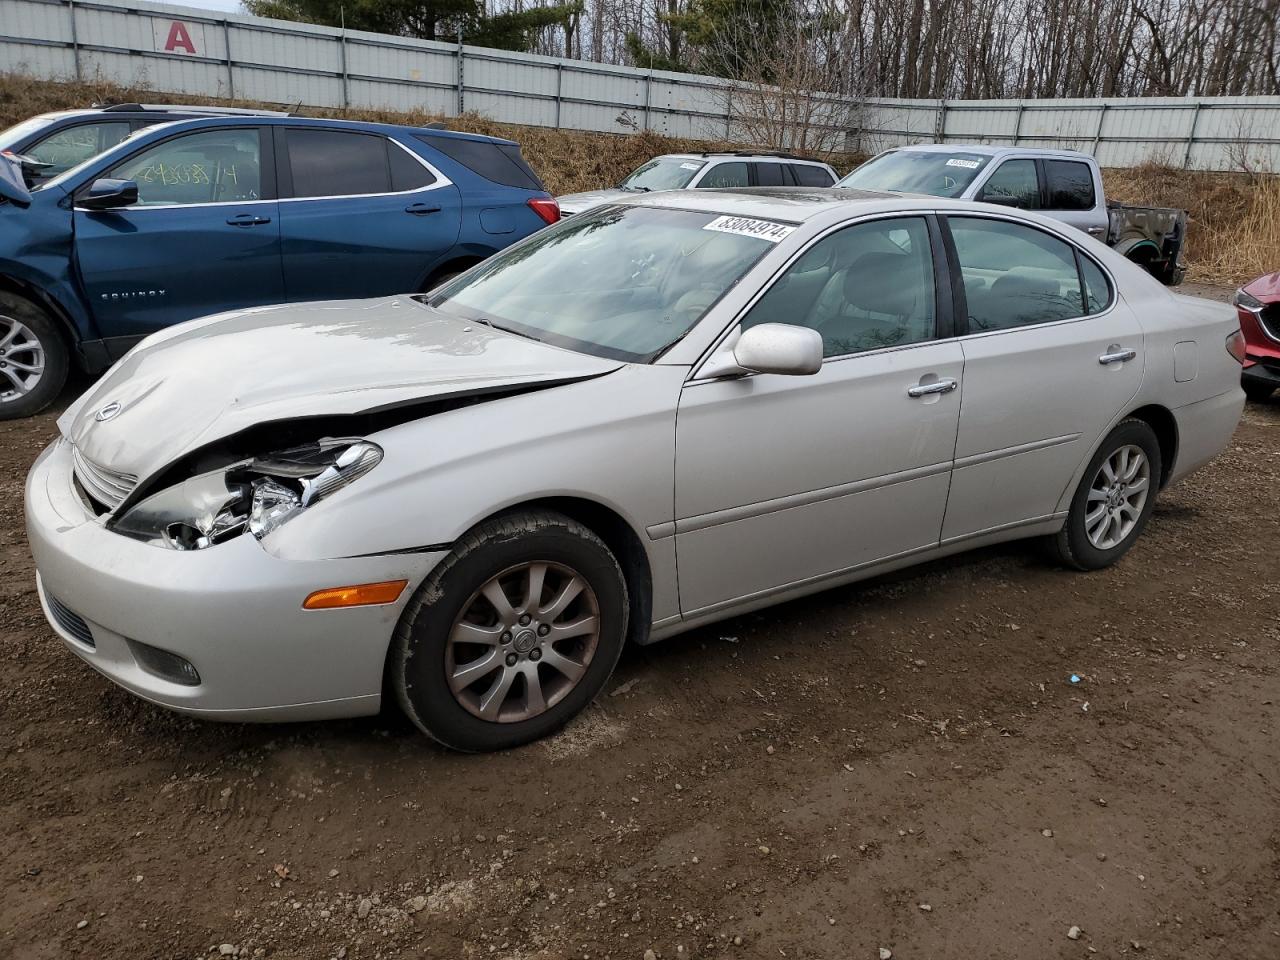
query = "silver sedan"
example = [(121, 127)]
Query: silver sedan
[(650, 417)]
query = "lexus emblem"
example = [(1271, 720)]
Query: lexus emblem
[(107, 412)]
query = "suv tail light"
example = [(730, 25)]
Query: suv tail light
[(546, 208), (1235, 345)]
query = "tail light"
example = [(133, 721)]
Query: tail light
[(1235, 345), (546, 208)]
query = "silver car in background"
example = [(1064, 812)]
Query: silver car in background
[(695, 171), (652, 416)]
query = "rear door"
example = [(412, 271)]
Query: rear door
[(1047, 369), (203, 237), (361, 215)]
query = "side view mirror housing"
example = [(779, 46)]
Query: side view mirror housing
[(780, 348), (108, 194)]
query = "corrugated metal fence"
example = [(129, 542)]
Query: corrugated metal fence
[(181, 50)]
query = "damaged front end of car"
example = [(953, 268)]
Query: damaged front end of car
[(256, 494)]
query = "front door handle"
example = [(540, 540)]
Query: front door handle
[(247, 220), (1117, 354), (945, 385), (421, 209)]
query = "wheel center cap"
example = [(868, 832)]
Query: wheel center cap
[(525, 641)]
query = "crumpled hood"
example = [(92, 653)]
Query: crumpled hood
[(201, 381), (581, 202)]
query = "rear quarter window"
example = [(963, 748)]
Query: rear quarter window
[(499, 162)]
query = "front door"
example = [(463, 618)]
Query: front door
[(1048, 366), (361, 215), (784, 480), (203, 237)]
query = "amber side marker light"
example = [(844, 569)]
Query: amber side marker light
[(357, 595)]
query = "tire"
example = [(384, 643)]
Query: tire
[(1257, 392), (1074, 546), (29, 337), (451, 625)]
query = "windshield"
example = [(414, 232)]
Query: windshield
[(20, 131), (942, 174), (662, 173), (618, 282)]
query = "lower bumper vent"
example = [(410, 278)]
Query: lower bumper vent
[(70, 621)]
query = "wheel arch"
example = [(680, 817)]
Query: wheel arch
[(1161, 421), (453, 265), (623, 542), (61, 318)]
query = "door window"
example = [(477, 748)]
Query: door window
[(726, 175), (1070, 185), (334, 163), (769, 175), (73, 145), (863, 288), (213, 166), (1013, 184), (809, 175), (1014, 275)]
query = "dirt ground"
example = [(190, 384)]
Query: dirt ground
[(901, 764)]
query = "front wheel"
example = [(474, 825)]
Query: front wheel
[(33, 358), (513, 634), (1114, 500)]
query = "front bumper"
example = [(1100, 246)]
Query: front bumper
[(233, 611), (1262, 369)]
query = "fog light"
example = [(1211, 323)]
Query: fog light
[(357, 595), (165, 665)]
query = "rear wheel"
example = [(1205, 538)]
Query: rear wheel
[(1114, 500), (33, 358), (515, 632)]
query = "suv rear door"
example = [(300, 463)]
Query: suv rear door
[(202, 238), (361, 215)]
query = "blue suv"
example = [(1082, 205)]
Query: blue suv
[(195, 217)]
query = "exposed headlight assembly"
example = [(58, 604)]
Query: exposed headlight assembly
[(257, 495)]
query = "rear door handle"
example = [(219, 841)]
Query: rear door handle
[(1116, 354), (247, 220), (1096, 231), (421, 209), (945, 385)]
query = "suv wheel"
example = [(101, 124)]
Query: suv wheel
[(515, 632), (1114, 500), (33, 358)]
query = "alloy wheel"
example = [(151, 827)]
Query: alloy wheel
[(1116, 497), (21, 359), (522, 642)]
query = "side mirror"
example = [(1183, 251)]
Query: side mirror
[(108, 194), (779, 348)]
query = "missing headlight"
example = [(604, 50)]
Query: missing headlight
[(258, 494)]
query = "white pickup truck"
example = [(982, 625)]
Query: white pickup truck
[(1063, 184)]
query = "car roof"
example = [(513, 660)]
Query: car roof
[(988, 150), (364, 126), (742, 155), (795, 204)]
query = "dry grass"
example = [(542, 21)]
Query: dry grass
[(1235, 218)]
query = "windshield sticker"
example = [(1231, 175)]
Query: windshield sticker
[(746, 227), (967, 164), (690, 166)]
